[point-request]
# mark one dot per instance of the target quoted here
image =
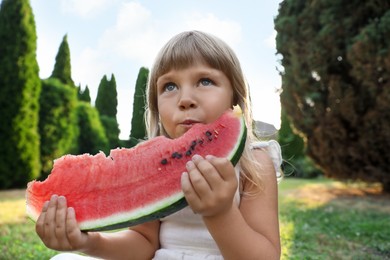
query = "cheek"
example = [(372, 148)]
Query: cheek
[(165, 119)]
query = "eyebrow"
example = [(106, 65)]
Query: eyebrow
[(202, 72), (163, 79)]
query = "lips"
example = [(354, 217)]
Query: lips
[(189, 122)]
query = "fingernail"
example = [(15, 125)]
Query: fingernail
[(184, 175), (71, 211), (53, 197), (61, 199), (190, 165), (196, 157), (45, 206), (209, 157)]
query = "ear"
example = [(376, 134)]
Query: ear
[(235, 100)]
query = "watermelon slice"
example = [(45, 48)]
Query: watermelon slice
[(132, 186)]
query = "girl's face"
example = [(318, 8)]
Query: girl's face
[(197, 94)]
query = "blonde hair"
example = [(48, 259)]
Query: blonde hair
[(181, 52)]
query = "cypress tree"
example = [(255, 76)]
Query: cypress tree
[(138, 128), (297, 163), (20, 87), (336, 84), (92, 137), (106, 100), (58, 122), (84, 95), (62, 68), (106, 103), (292, 143), (111, 128)]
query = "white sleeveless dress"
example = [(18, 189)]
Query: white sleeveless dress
[(183, 235)]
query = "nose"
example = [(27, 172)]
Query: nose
[(187, 98)]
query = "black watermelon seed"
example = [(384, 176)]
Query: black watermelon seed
[(208, 133), (176, 155), (200, 141), (188, 153), (193, 144), (164, 161)]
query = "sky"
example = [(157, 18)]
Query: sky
[(120, 36)]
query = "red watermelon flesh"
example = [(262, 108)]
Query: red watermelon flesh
[(132, 186)]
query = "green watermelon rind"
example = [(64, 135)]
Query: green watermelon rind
[(236, 153), (125, 220)]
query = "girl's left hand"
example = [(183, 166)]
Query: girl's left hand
[(209, 185)]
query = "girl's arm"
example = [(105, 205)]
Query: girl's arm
[(139, 242), (250, 231), (58, 229)]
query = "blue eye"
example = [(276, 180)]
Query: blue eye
[(170, 87), (206, 82)]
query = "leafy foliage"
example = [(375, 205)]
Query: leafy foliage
[(106, 100), (138, 128), (83, 95), (111, 128), (62, 68), (92, 137), (297, 163), (58, 122), (106, 103), (336, 87), (20, 87)]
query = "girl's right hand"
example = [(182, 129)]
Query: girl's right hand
[(57, 226)]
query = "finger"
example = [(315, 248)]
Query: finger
[(198, 181), (191, 196), (73, 231), (50, 217), (60, 224), (223, 166), (40, 224), (208, 171)]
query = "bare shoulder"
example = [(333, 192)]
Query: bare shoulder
[(263, 157), (267, 171)]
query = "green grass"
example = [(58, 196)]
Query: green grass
[(323, 219), (18, 239), (319, 219)]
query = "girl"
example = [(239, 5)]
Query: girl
[(233, 211)]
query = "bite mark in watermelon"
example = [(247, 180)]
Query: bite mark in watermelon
[(136, 185)]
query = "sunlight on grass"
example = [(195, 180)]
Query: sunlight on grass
[(12, 211), (18, 239), (333, 220), (287, 236)]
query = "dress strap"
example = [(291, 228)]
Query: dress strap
[(274, 151)]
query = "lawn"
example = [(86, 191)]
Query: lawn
[(319, 219), (324, 219)]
